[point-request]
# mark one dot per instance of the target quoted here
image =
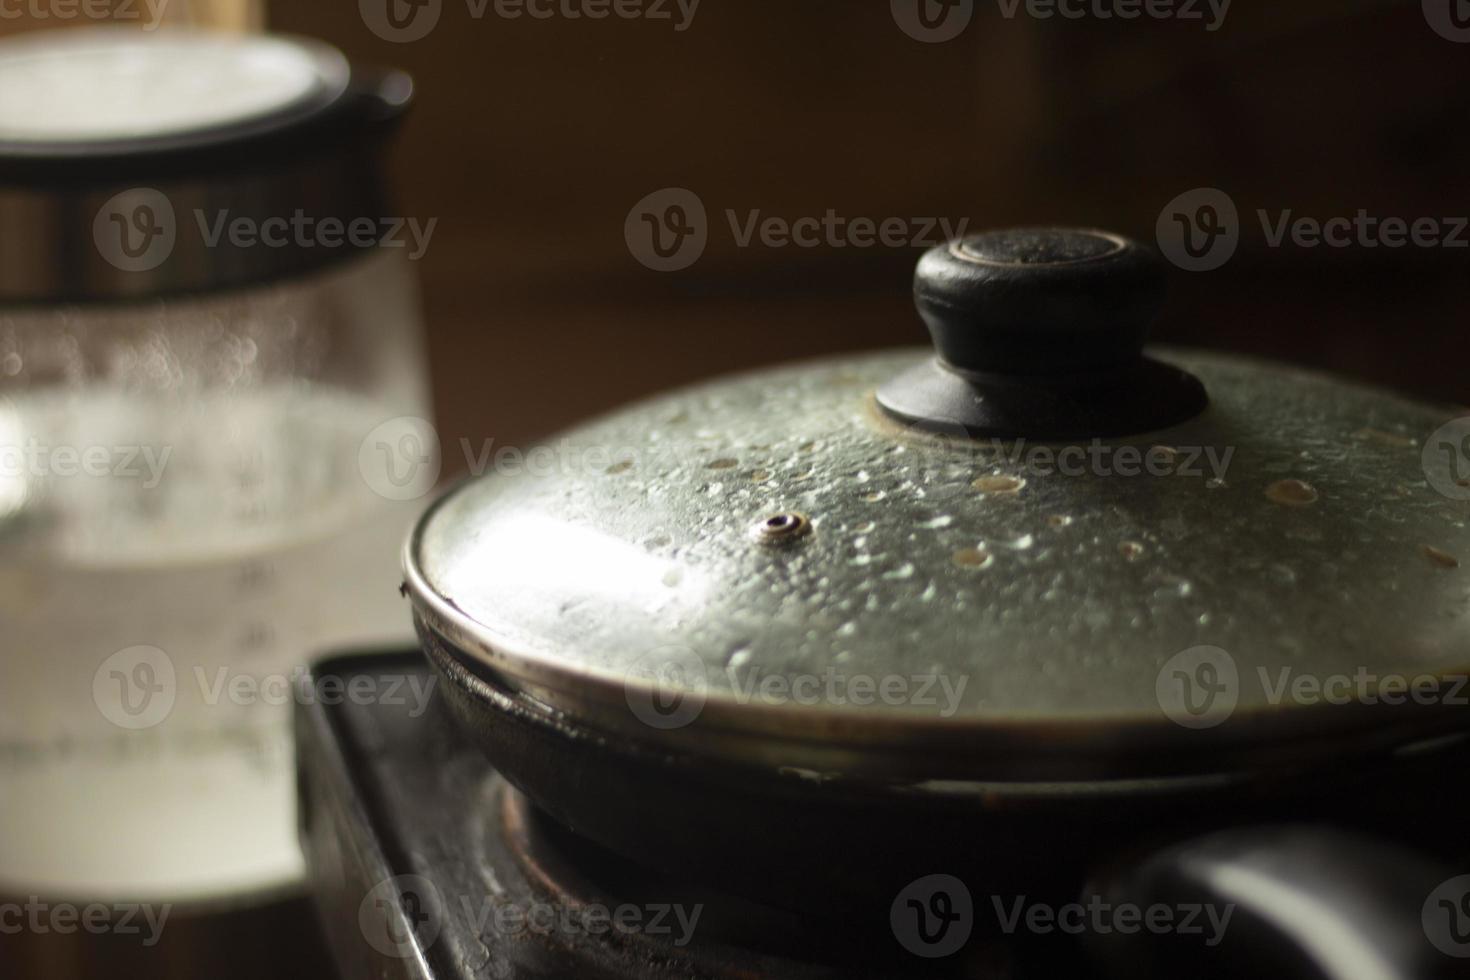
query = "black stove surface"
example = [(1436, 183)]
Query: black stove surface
[(427, 864)]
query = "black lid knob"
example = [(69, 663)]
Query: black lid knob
[(1040, 335), (1039, 301)]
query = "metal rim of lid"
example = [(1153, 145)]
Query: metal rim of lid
[(936, 756), (1009, 757)]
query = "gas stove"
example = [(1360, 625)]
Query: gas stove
[(427, 864)]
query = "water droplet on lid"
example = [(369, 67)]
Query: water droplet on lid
[(1292, 493), (904, 571), (999, 485), (938, 522), (760, 476), (1131, 550), (620, 467), (1059, 520), (723, 464), (1442, 559), (972, 558)]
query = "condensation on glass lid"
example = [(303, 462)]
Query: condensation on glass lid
[(104, 84), (1059, 581)]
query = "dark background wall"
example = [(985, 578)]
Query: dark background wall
[(534, 138)]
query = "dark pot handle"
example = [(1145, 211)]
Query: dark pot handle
[(1302, 902)]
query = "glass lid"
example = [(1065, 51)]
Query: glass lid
[(781, 568)]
